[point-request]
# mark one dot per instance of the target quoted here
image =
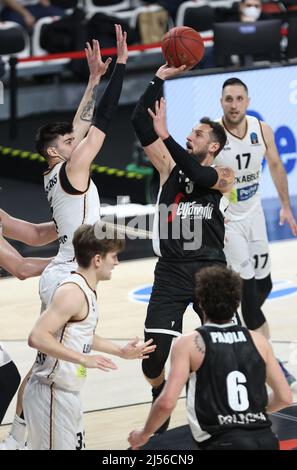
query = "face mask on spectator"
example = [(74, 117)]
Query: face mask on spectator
[(252, 12)]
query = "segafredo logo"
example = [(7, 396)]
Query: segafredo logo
[(280, 289)]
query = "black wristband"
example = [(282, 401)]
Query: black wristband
[(109, 101), (204, 176)]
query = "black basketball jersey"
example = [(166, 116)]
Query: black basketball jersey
[(228, 391), (189, 222)]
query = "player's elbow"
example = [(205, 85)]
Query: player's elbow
[(166, 405), (35, 339), (22, 273), (286, 398), (23, 270)]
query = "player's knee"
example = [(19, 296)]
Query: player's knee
[(152, 368), (264, 287), (154, 365), (251, 311)]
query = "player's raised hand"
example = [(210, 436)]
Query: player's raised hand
[(136, 349), (122, 48), (96, 65), (159, 118), (165, 71)]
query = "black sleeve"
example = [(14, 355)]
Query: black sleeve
[(204, 176), (141, 120), (109, 101)]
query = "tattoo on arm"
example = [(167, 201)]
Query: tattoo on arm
[(225, 175), (222, 183), (88, 110), (199, 343)]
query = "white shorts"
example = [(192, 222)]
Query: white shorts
[(53, 417), (53, 274), (246, 246)]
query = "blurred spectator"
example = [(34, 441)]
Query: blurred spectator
[(248, 11), (26, 12)]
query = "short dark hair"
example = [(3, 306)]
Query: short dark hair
[(218, 292), (217, 133), (87, 244), (47, 134), (234, 81)]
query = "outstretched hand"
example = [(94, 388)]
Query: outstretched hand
[(122, 48), (286, 215), (159, 119), (96, 65), (93, 361), (165, 71), (137, 350)]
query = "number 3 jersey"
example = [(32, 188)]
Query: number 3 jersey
[(228, 391), (244, 156)]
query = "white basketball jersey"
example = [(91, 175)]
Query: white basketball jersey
[(69, 210), (76, 335), (245, 157)]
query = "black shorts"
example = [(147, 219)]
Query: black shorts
[(173, 291), (243, 439)]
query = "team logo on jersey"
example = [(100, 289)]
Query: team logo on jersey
[(254, 138)]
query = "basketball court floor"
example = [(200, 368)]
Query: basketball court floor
[(118, 401)]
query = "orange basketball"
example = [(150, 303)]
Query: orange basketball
[(182, 46)]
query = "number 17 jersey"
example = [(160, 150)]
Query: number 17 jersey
[(245, 156)]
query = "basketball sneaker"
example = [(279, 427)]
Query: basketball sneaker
[(156, 392), (292, 381), (9, 443)]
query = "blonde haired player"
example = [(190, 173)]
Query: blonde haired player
[(70, 149)]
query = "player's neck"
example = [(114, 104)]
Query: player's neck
[(208, 161), (237, 129), (90, 277), (55, 160)]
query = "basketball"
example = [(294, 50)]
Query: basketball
[(182, 46)]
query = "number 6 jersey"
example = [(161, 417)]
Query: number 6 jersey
[(244, 156), (228, 391)]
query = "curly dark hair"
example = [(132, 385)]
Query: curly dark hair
[(218, 291)]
